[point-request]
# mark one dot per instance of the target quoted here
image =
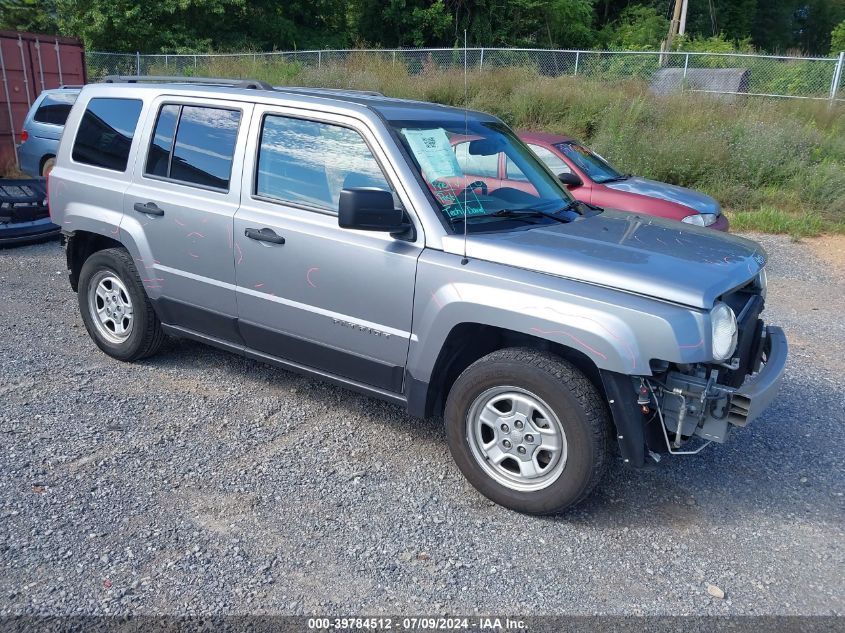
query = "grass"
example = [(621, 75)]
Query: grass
[(9, 168), (775, 165)]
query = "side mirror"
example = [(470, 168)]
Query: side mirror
[(368, 209), (570, 179)]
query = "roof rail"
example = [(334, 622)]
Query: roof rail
[(330, 91), (254, 84)]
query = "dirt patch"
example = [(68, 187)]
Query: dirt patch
[(830, 249), (10, 170)]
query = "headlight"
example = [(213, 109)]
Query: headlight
[(701, 219), (723, 322), (761, 283)]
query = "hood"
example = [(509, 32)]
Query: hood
[(696, 200), (649, 256)]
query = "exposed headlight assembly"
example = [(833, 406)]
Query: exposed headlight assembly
[(701, 219), (723, 323), (761, 283)]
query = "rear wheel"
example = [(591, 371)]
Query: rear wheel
[(115, 309), (47, 166), (528, 430)]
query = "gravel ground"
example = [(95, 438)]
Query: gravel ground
[(199, 482)]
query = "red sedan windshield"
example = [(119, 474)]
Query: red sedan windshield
[(596, 167)]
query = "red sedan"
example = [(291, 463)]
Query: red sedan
[(590, 178)]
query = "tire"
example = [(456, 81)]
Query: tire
[(131, 330), (550, 398), (47, 166)]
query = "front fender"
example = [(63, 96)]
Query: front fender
[(619, 332)]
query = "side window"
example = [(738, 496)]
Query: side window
[(553, 162), (54, 108), (105, 132), (205, 146), (194, 145), (158, 159), (472, 165), (307, 162)]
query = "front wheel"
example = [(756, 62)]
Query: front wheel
[(528, 430), (115, 309)]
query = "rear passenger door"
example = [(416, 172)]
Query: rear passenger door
[(310, 292), (181, 204)]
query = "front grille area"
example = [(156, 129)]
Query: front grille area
[(747, 305)]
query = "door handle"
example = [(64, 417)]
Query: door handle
[(264, 235), (150, 208)]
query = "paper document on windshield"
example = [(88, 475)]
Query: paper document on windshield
[(434, 153)]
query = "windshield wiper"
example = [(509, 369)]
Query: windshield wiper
[(618, 178), (533, 213), (525, 214), (514, 214)]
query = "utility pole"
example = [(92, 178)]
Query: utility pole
[(676, 26)]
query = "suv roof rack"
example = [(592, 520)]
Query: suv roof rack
[(254, 84), (330, 91)]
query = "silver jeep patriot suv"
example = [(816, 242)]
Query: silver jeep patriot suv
[(366, 241)]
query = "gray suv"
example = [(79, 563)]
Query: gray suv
[(335, 234)]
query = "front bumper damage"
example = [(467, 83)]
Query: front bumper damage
[(24, 216), (656, 415), (695, 405)]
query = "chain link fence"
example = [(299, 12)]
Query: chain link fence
[(716, 73)]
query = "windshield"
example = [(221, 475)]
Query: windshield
[(596, 167), (463, 164)]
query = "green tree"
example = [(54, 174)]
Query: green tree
[(638, 28), (29, 15), (781, 25), (196, 25), (715, 44), (501, 22), (732, 19), (430, 23), (401, 22), (150, 26), (570, 23), (837, 39), (814, 21), (293, 24)]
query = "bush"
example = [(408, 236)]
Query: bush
[(837, 39)]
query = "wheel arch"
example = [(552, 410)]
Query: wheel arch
[(43, 162), (468, 342), (79, 246)]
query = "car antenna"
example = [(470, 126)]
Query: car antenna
[(464, 260)]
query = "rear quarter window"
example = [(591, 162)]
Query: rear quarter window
[(54, 108), (105, 133)]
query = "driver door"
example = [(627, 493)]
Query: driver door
[(308, 291)]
